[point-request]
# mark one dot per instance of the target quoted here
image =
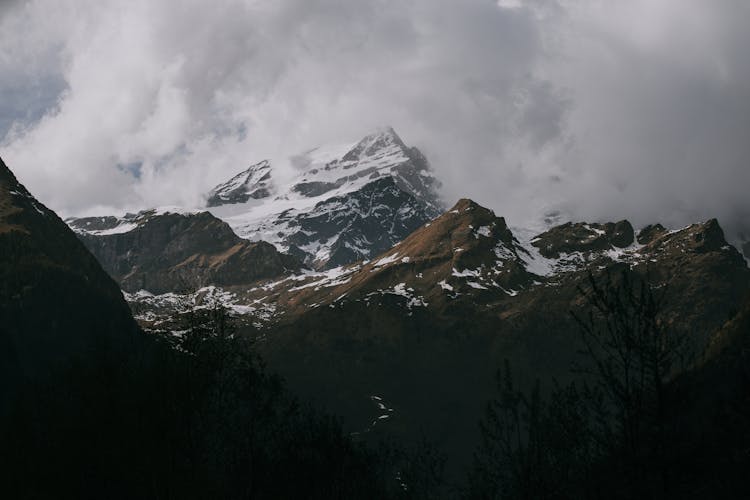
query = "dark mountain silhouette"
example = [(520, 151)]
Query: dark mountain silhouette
[(56, 301)]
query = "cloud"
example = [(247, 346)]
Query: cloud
[(601, 110)]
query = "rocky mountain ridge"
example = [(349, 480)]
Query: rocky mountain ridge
[(162, 251), (470, 257)]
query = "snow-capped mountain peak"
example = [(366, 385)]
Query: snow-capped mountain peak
[(252, 183), (384, 142), (342, 203), (330, 206)]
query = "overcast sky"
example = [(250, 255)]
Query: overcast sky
[(603, 109)]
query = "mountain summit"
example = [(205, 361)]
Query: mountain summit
[(345, 203), (251, 183)]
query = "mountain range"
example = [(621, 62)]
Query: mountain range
[(362, 289), (372, 298)]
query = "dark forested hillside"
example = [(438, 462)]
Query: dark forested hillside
[(90, 407), (55, 299), (645, 416)]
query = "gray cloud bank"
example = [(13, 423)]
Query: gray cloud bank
[(598, 109)]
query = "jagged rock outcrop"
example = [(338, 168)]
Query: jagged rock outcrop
[(583, 237), (253, 183), (359, 224), (166, 252), (650, 232), (466, 251)]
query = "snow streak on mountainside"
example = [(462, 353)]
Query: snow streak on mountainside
[(346, 203)]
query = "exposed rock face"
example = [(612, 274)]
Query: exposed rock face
[(650, 232), (468, 250), (56, 301), (582, 237), (346, 203), (358, 225), (163, 252), (746, 249), (253, 183)]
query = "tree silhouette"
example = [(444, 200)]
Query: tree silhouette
[(532, 447), (608, 431), (630, 358)]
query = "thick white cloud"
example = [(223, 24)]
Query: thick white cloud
[(624, 108)]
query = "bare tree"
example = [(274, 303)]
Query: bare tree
[(630, 357), (605, 435)]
